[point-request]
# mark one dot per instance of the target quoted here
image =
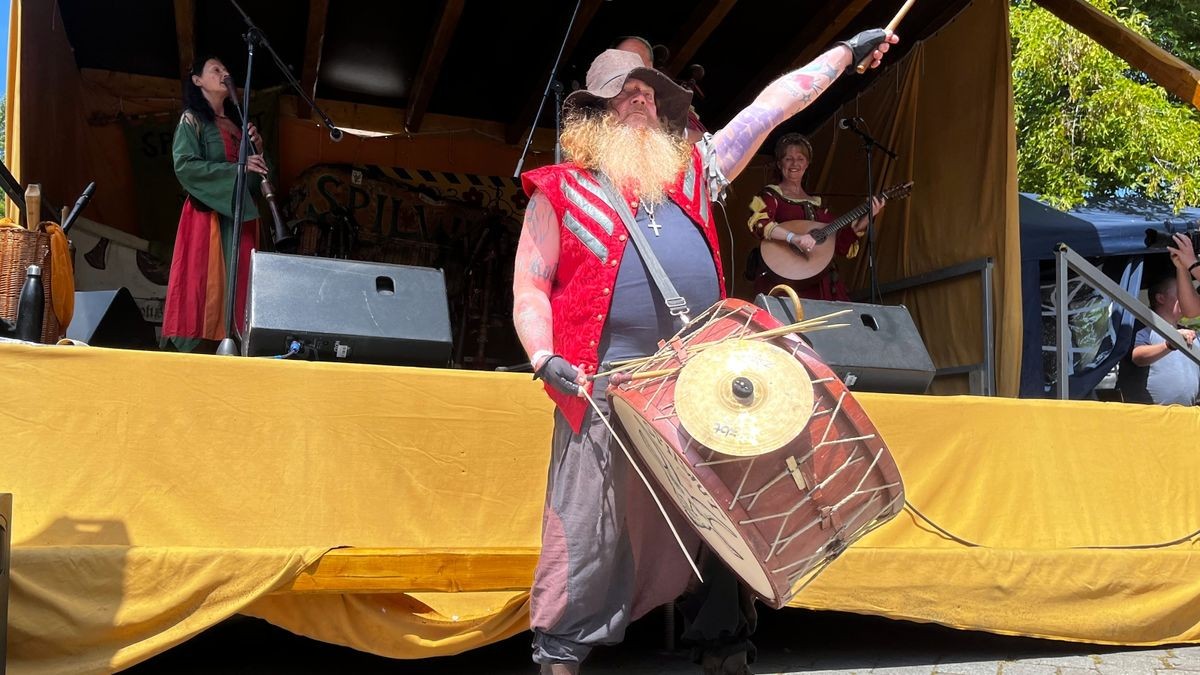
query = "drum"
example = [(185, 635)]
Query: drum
[(759, 444)]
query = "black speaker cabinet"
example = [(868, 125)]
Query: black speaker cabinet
[(110, 319), (880, 350), (345, 310)]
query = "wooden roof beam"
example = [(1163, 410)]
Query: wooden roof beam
[(431, 64), (185, 34), (314, 44), (1166, 69), (820, 32), (518, 128), (696, 31)]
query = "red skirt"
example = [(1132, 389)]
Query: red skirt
[(195, 304)]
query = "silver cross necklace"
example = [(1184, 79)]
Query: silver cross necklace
[(653, 223)]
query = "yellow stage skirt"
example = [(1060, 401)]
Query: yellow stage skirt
[(157, 494)]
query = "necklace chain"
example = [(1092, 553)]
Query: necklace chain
[(653, 224)]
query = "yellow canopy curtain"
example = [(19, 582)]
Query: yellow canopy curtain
[(947, 112)]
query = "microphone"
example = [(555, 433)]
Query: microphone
[(849, 122), (335, 134), (80, 204), (228, 82)]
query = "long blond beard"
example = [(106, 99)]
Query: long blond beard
[(643, 161)]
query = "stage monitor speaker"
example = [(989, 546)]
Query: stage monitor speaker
[(346, 310), (110, 319), (880, 350)]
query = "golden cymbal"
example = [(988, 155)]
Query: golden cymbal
[(744, 397)]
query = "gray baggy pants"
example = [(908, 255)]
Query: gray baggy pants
[(608, 557)]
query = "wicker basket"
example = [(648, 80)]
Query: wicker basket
[(20, 248)]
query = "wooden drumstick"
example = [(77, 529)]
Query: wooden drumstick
[(891, 28), (806, 326), (644, 375), (628, 455)]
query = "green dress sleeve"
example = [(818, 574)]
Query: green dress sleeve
[(210, 181)]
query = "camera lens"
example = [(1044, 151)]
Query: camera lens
[(1159, 239)]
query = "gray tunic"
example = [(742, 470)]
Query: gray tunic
[(639, 318)]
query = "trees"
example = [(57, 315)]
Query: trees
[(1174, 25), (1088, 127)]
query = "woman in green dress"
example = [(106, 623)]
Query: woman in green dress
[(205, 153)]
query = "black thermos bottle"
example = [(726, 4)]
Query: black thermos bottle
[(31, 306)]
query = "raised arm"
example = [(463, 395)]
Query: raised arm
[(1183, 256), (533, 276), (788, 95)]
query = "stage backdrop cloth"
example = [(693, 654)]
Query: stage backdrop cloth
[(156, 494)]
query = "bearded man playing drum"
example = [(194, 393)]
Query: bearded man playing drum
[(583, 296)]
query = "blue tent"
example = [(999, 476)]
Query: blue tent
[(1106, 230), (1116, 228)]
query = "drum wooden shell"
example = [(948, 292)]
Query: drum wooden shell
[(776, 519)]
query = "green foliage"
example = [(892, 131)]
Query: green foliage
[(1087, 127), (1174, 25)]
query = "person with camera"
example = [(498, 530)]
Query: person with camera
[(1187, 272), (1154, 371)]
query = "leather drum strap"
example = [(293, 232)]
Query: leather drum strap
[(676, 304)]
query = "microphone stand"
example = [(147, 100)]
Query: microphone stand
[(557, 86), (558, 99), (254, 38), (335, 134), (869, 145), (228, 346)]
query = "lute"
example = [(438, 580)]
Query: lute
[(790, 263)]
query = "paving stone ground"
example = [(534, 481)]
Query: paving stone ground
[(789, 641)]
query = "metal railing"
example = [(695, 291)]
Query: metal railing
[(982, 375), (1066, 260)]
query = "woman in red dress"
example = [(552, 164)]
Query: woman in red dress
[(788, 200), (205, 152)]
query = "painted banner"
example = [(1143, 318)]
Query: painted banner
[(106, 258)]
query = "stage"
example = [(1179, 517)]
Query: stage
[(397, 510)]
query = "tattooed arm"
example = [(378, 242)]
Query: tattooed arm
[(786, 96), (533, 276)]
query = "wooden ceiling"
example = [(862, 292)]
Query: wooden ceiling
[(487, 60)]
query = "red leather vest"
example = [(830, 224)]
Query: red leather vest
[(592, 242)]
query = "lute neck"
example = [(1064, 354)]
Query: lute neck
[(847, 218)]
